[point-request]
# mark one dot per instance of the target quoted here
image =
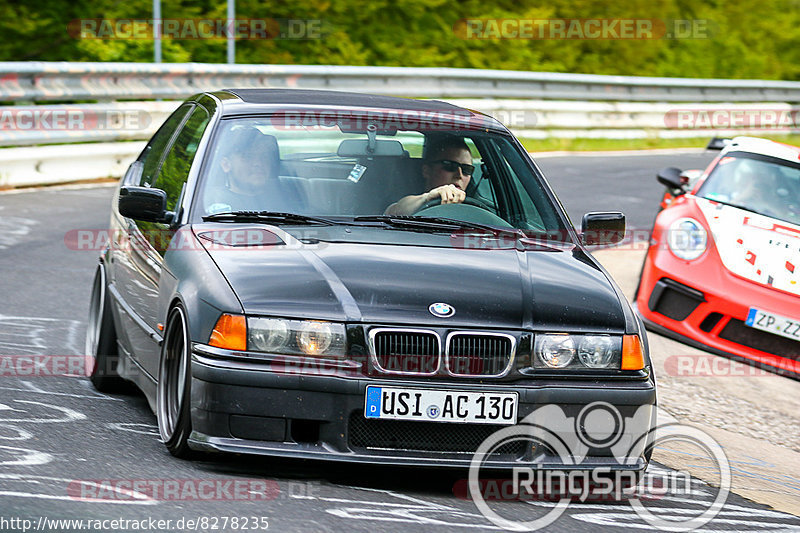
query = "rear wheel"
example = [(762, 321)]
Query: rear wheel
[(173, 398), (101, 339)]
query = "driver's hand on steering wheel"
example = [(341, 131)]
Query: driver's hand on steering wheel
[(449, 194)]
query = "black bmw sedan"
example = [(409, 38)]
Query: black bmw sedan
[(359, 278)]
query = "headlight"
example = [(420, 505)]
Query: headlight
[(559, 350), (555, 351), (596, 351), (687, 238), (296, 337), (268, 334)]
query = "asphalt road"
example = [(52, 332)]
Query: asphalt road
[(62, 445)]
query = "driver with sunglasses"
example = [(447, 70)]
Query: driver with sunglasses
[(446, 170)]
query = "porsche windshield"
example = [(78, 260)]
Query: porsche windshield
[(760, 184), (332, 171)]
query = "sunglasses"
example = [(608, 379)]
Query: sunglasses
[(452, 166)]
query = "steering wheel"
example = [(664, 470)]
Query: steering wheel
[(467, 201)]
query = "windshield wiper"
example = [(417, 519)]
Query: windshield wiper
[(737, 206), (269, 217), (436, 223)]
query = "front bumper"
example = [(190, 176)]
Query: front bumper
[(245, 407), (702, 304)]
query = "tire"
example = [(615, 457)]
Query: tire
[(101, 340), (173, 393)]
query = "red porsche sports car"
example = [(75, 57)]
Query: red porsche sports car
[(722, 272)]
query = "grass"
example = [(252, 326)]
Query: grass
[(649, 143)]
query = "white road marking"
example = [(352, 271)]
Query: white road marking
[(149, 429), (61, 484), (21, 433), (71, 395), (26, 457), (69, 415), (400, 512), (13, 230), (24, 335), (68, 498)]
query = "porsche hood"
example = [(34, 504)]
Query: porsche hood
[(756, 247)]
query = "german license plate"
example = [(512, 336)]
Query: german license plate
[(772, 323), (441, 405)]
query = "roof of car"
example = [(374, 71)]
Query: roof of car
[(756, 145), (338, 98), (253, 101)]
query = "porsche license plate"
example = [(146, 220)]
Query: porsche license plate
[(772, 323), (441, 405)]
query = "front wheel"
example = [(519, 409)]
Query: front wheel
[(101, 339), (173, 395)]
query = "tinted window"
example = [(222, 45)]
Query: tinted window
[(760, 184), (175, 168), (335, 168), (154, 151)]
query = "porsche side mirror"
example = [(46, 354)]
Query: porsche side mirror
[(671, 178), (143, 203), (603, 228)]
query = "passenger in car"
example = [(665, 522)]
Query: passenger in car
[(447, 170), (760, 190), (244, 175)]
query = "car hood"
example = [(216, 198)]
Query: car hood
[(549, 289), (756, 247)]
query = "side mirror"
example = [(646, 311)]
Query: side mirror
[(671, 178), (143, 203), (603, 228)]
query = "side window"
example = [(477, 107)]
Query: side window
[(175, 168), (153, 152), (528, 207)]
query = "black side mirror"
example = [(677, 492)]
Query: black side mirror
[(603, 228), (143, 203), (671, 178)]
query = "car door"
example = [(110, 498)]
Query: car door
[(172, 178), (140, 256)]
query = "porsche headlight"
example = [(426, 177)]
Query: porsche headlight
[(687, 238), (296, 337), (560, 350)]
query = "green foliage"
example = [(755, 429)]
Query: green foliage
[(730, 39)]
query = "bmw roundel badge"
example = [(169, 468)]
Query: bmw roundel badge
[(442, 309)]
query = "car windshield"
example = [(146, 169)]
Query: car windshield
[(759, 184), (345, 168)]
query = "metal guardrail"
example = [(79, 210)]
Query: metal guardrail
[(63, 81), (25, 125), (531, 104)]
